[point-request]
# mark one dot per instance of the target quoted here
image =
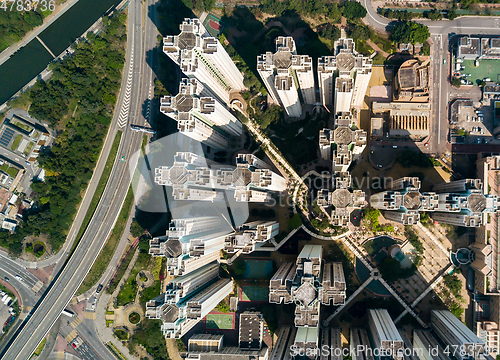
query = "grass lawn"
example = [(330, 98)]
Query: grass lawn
[(120, 272), (12, 172), (151, 292), (4, 167), (22, 126), (16, 142), (108, 250), (29, 147), (39, 348), (128, 291)]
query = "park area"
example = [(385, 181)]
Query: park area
[(219, 321)]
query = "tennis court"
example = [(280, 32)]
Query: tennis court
[(220, 321), (254, 293), (213, 25)]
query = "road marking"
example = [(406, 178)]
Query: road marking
[(76, 322), (89, 315), (72, 335)]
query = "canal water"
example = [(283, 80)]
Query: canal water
[(30, 60)]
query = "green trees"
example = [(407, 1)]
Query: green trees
[(15, 24), (90, 78), (397, 14), (329, 31), (353, 10), (358, 31), (455, 81), (295, 221), (390, 269), (433, 14), (409, 32), (136, 229)]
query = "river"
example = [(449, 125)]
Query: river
[(33, 58)]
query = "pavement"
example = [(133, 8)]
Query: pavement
[(74, 271)]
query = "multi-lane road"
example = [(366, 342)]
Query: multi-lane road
[(440, 87), (71, 276)]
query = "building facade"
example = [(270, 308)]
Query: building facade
[(285, 74), (188, 299), (202, 57)]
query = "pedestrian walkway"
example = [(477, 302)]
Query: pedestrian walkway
[(352, 297), (432, 237)]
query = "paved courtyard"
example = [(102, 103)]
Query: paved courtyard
[(486, 69), (434, 261)]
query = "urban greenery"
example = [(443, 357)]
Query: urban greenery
[(409, 32), (295, 221), (15, 24), (409, 158), (91, 77), (150, 335)]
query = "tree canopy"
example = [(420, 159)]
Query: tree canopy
[(329, 31), (353, 10), (89, 80), (409, 32)]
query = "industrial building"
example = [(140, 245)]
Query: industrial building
[(285, 73), (344, 77), (192, 179), (455, 333), (200, 116), (202, 57), (188, 299)]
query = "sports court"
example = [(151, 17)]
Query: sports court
[(487, 68), (258, 269), (213, 25), (219, 321), (254, 293)]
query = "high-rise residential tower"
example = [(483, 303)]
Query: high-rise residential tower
[(285, 74), (202, 56), (201, 117), (343, 78), (192, 179), (188, 299)]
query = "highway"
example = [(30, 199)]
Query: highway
[(441, 87), (71, 276)]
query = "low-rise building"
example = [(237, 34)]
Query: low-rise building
[(405, 118), (412, 81), (251, 330)]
